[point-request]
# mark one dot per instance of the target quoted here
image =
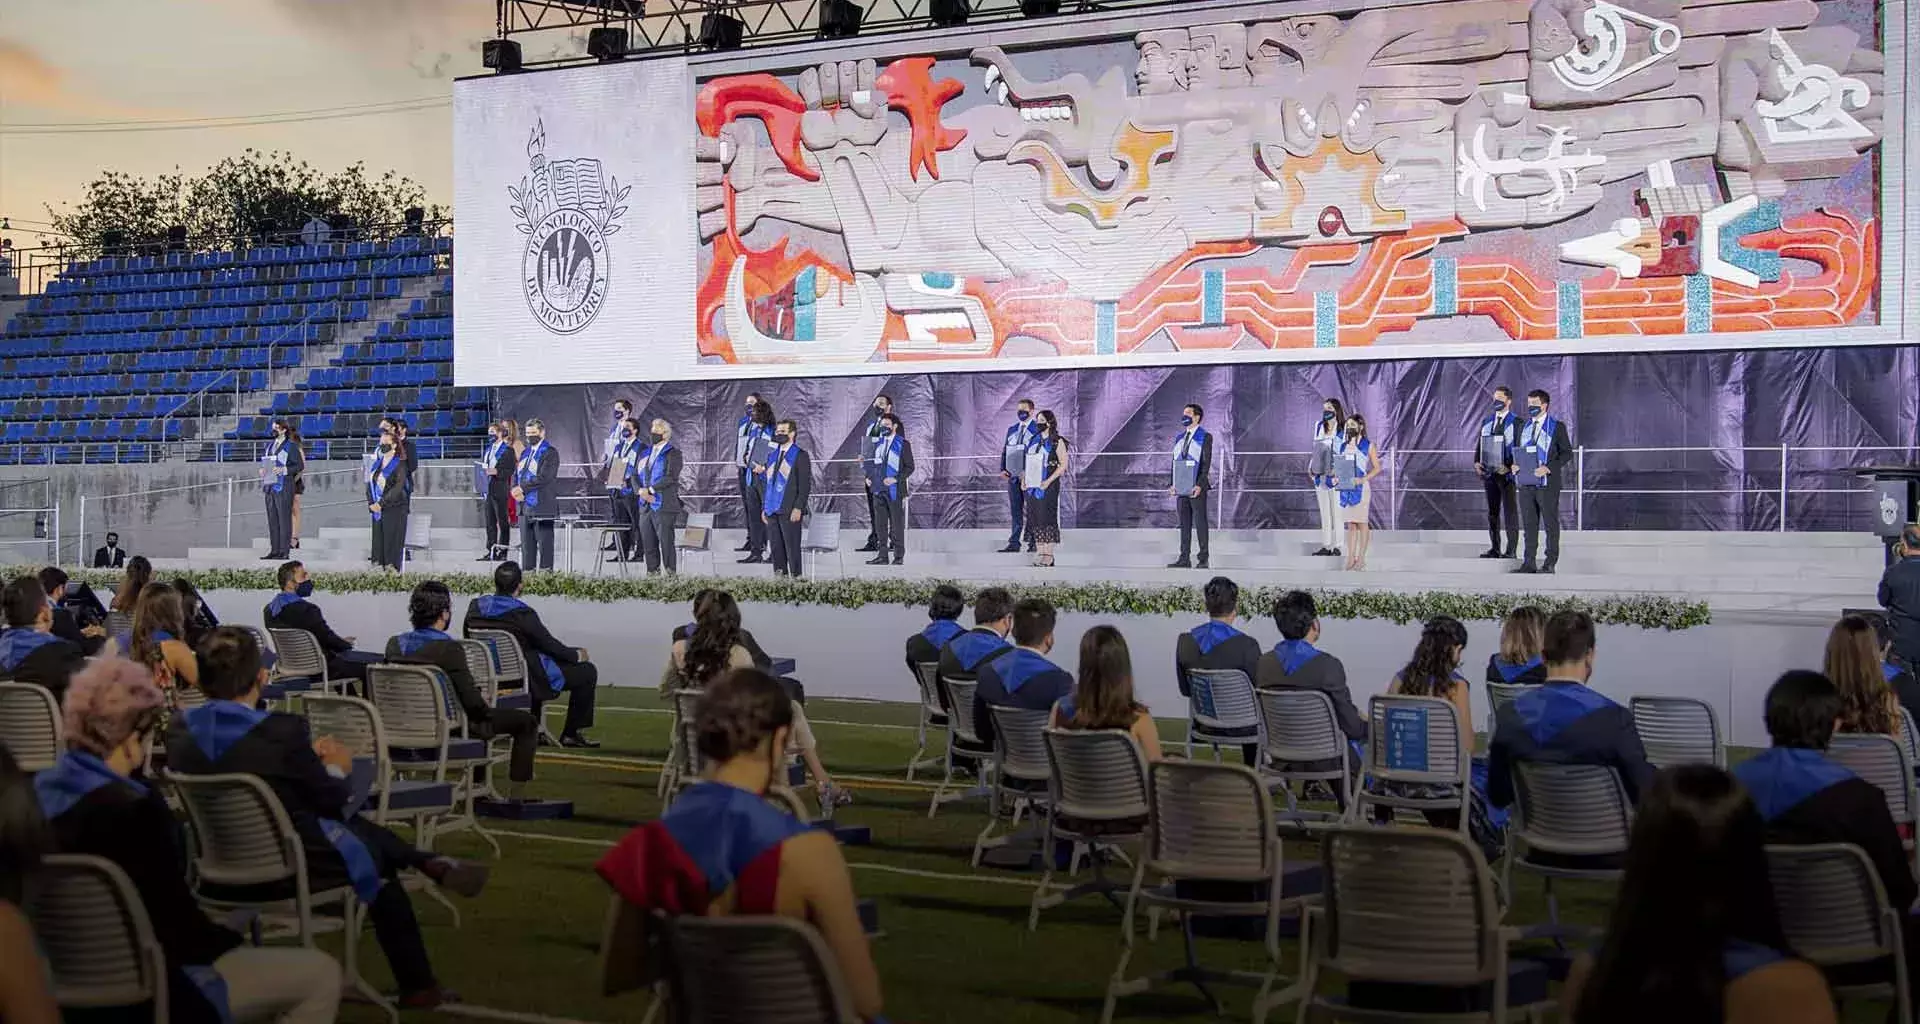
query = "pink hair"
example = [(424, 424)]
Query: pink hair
[(107, 701)]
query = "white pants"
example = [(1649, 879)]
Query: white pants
[(1328, 500), (294, 986)]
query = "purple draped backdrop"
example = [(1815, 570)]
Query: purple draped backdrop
[(1738, 407)]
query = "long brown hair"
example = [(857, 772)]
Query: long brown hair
[(1523, 635), (1429, 673), (1103, 697), (158, 609), (1853, 663), (716, 630), (139, 574)]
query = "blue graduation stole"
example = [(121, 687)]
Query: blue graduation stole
[(1183, 448), (1040, 444), (886, 463), (1546, 712), (16, 644), (1502, 425), (493, 452), (498, 606), (723, 828), (622, 454), (1294, 654), (1350, 496), (1891, 672), (656, 471), (381, 478), (76, 774), (1510, 672), (276, 456), (975, 646), (1782, 778), (1211, 634), (940, 631), (410, 643), (1540, 434), (281, 601), (780, 470), (529, 472), (1019, 668), (748, 431), (1014, 441)]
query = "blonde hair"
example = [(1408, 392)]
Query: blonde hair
[(108, 701), (1523, 635), (665, 428)]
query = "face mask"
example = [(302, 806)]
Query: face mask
[(385, 448), (1353, 431), (888, 429), (782, 438), (1499, 403), (878, 409), (626, 434), (533, 438), (304, 588), (619, 414), (1186, 421), (1326, 415), (658, 437), (1535, 410), (1022, 415)]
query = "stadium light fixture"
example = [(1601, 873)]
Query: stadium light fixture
[(721, 31), (949, 13), (839, 19), (502, 55)]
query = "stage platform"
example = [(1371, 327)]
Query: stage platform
[(1741, 574)]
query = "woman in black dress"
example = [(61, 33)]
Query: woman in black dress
[(1047, 460), (297, 469)]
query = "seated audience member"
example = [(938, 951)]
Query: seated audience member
[(715, 649), (1296, 664), (29, 652), (1565, 721), (1867, 700), (964, 655), (26, 994), (91, 636), (96, 804), (156, 642), (228, 735), (1025, 678), (430, 609), (1906, 688), (194, 613), (722, 849), (552, 666), (1694, 934), (139, 574), (111, 555), (761, 659), (291, 609), (943, 624), (1218, 644), (1434, 671), (1518, 661), (1103, 697)]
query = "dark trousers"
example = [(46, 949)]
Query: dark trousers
[(391, 913), (890, 524), (875, 499), (536, 543), (390, 539), (656, 536), (1017, 504), (578, 681), (1500, 496), (351, 665), (524, 730), (753, 494), (1538, 506), (624, 506), (785, 534), (1193, 516), (279, 520), (499, 529)]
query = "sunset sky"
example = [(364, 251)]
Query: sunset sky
[(98, 68)]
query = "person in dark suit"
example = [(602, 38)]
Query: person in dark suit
[(943, 614), (195, 616), (658, 465), (889, 463), (1218, 644), (756, 428), (1296, 664), (1024, 678), (430, 609), (1024, 432), (408, 448), (291, 609), (67, 625), (29, 652), (110, 556), (1192, 455), (389, 490), (872, 432), (279, 467), (228, 735), (619, 475), (500, 462), (1899, 594), (536, 488), (552, 667), (789, 482), (1543, 451), (965, 654), (1500, 427)]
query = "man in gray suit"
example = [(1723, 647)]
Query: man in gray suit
[(1296, 664)]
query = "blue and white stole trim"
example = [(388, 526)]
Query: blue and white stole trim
[(498, 607), (1015, 440), (1041, 444), (493, 452), (621, 454), (1350, 496), (529, 472), (1505, 422), (779, 472), (380, 477), (886, 463), (940, 632), (1541, 434), (1189, 446), (276, 458), (17, 643), (1294, 654), (654, 472), (1326, 432)]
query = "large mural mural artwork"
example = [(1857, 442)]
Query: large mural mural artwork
[(1467, 172)]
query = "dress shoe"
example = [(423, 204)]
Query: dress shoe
[(751, 559), (1200, 563), (1335, 552), (744, 547), (427, 998), (1547, 569), (1011, 549), (1491, 553), (485, 556), (869, 546), (877, 560), (899, 559), (1321, 552), (1180, 563), (457, 877), (1526, 569), (578, 742)]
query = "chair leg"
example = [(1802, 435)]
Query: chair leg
[(356, 985), (920, 746), (933, 807), (1046, 877)]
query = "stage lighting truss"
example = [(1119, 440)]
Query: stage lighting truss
[(561, 26)]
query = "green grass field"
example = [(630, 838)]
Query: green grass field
[(956, 946)]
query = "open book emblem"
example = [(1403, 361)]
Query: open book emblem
[(567, 210)]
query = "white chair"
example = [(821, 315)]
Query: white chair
[(1909, 737), (1221, 709), (1566, 810), (1413, 907), (1208, 823), (820, 535), (1021, 772), (1098, 796), (1302, 727), (1678, 730), (963, 741), (683, 751), (242, 839), (696, 538), (1834, 912), (766, 970), (425, 735), (419, 536), (302, 667), (1881, 760), (926, 675), (480, 666), (1499, 695), (94, 932), (1415, 741), (30, 726), (510, 668)]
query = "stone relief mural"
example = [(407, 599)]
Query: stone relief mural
[(1463, 172)]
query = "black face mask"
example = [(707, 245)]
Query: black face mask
[(658, 437), (627, 434), (385, 448), (1326, 414), (1499, 403), (782, 438), (1535, 410)]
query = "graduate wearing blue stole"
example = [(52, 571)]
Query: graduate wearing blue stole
[(279, 466), (1540, 457), (753, 438), (536, 487), (620, 474), (388, 503), (657, 470), (789, 477), (1192, 481), (1013, 462), (1495, 440), (889, 464)]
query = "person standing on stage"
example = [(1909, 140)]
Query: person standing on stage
[(536, 488), (789, 476), (619, 472), (1354, 466), (277, 470), (752, 447), (1326, 438), (617, 444), (296, 472), (1013, 463), (1543, 450), (1046, 464), (1493, 460), (499, 461), (889, 464), (1192, 479), (876, 431), (658, 474), (387, 487)]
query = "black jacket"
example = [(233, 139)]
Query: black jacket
[(395, 498), (1899, 594), (799, 482), (1204, 473), (1565, 722), (1239, 651), (876, 476), (66, 626), (1323, 672), (951, 666), (546, 483), (140, 836), (1851, 811), (502, 479), (1559, 453), (51, 665), (761, 659), (304, 614), (449, 658), (279, 751), (101, 559), (669, 489), (526, 627)]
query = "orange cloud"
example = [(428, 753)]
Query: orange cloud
[(29, 80)]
